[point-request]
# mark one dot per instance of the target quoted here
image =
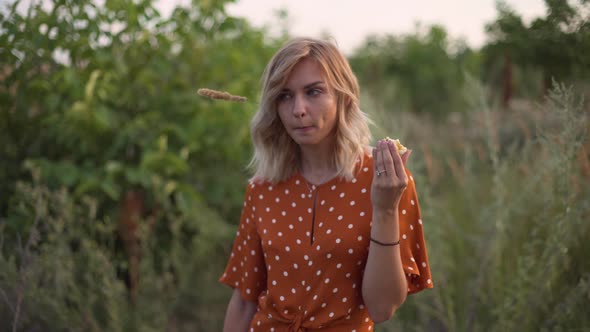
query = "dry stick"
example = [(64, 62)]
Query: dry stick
[(222, 95)]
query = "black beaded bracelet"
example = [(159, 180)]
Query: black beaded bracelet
[(385, 243)]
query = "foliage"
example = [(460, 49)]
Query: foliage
[(120, 187), (506, 210), (100, 101), (420, 72), (556, 45)]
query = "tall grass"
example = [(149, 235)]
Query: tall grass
[(506, 199)]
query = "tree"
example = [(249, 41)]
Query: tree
[(100, 101), (557, 44)]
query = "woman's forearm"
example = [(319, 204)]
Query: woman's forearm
[(239, 313), (384, 283)]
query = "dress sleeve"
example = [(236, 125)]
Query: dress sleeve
[(246, 269), (413, 247)]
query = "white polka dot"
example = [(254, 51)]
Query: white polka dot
[(412, 259), (348, 275), (285, 273), (260, 196), (339, 265), (315, 297), (274, 221), (318, 247), (341, 195), (344, 300), (308, 210), (412, 202), (277, 199), (310, 263), (320, 225), (286, 191), (420, 221), (331, 209), (267, 210), (323, 202), (331, 314), (362, 214), (311, 319), (350, 226), (300, 218), (305, 257), (412, 227), (366, 169), (253, 252), (287, 248), (298, 241), (277, 257), (338, 240), (297, 182), (293, 290), (428, 281), (404, 236), (280, 233), (282, 298), (350, 251), (352, 203), (404, 211), (333, 187), (327, 280), (308, 288), (354, 180), (364, 190), (318, 272), (303, 282), (248, 291), (329, 231), (335, 290), (328, 255), (423, 264), (360, 238), (284, 213), (340, 217)]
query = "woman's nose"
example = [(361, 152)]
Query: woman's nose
[(299, 106)]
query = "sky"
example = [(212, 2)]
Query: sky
[(349, 22)]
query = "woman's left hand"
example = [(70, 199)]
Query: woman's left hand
[(389, 176)]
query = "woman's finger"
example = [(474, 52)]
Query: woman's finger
[(388, 159), (397, 162)]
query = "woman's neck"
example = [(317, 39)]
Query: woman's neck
[(317, 165)]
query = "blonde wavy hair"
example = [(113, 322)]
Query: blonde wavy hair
[(276, 155)]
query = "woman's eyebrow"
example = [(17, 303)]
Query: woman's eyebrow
[(305, 87)]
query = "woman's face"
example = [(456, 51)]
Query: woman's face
[(307, 105)]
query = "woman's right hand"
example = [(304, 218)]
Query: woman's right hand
[(389, 177)]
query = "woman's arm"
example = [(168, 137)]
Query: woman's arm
[(384, 284), (239, 313)]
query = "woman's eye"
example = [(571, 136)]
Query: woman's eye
[(314, 92), (283, 97)]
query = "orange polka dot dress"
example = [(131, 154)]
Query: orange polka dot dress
[(300, 252)]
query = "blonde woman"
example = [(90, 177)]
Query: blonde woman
[(330, 236)]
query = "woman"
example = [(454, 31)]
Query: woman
[(330, 236)]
